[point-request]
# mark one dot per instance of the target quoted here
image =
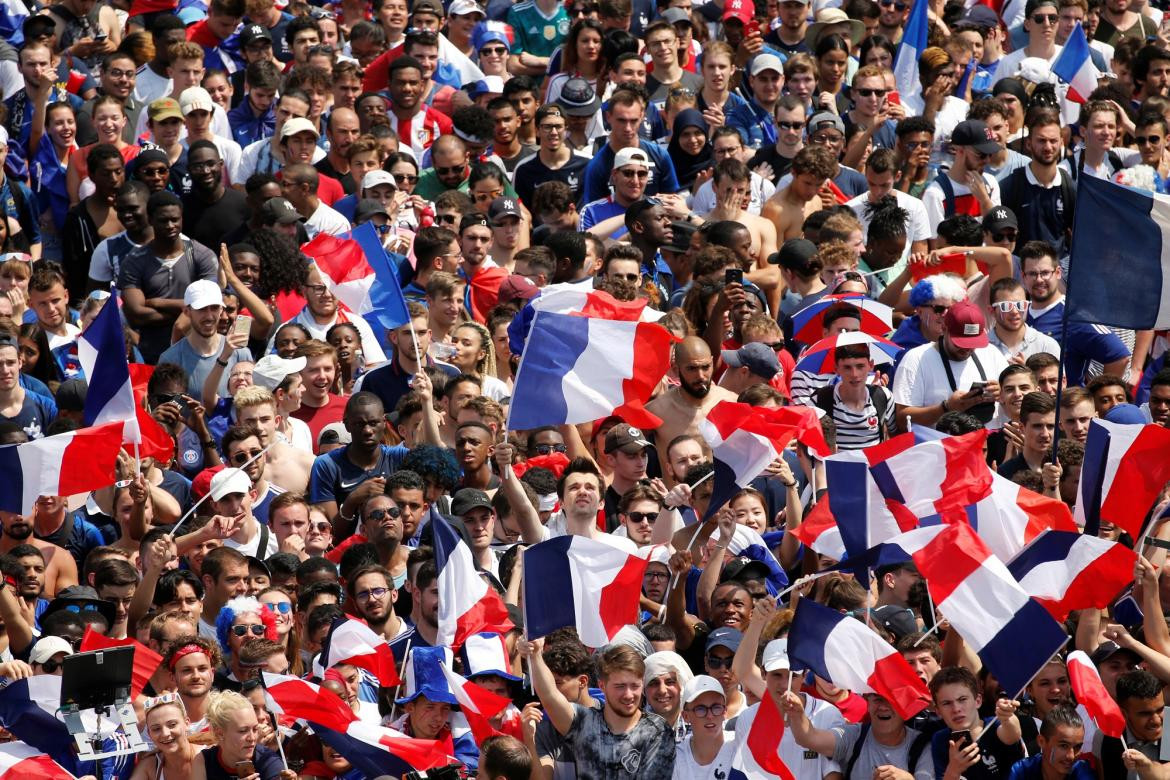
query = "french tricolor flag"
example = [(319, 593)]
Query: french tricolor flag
[(18, 761), (1124, 469), (581, 582), (101, 349), (579, 369), (819, 531), (1013, 516), (63, 465), (467, 604), (914, 38), (1075, 66), (478, 704), (1013, 634), (1066, 570), (745, 440), (849, 654), (353, 642), (1092, 695)]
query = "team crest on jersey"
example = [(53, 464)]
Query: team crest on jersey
[(563, 27), (550, 32), (872, 422)]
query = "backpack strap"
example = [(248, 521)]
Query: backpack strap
[(262, 548), (824, 399), (880, 403), (1068, 196), (948, 189), (856, 753), (917, 747)]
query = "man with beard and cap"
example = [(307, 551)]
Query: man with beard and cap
[(682, 408), (60, 568)]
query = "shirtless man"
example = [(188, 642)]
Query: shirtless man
[(812, 168), (732, 184), (60, 568), (682, 408), (288, 467)]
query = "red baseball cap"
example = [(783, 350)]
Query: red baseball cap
[(744, 10), (966, 325)]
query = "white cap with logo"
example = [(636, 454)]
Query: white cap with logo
[(631, 155)]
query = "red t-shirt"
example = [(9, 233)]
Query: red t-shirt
[(317, 417)]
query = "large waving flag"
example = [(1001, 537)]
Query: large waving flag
[(1122, 236), (819, 531), (358, 271), (101, 348), (849, 654), (581, 582), (373, 750), (146, 661), (478, 704), (63, 465), (763, 741), (580, 369), (467, 604), (1013, 516), (914, 37), (156, 442), (1075, 66), (18, 761), (576, 298), (353, 642), (1091, 694), (974, 590), (746, 439), (1124, 469), (1067, 570)]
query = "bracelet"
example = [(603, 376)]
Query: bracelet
[(221, 362), (791, 484), (944, 405), (209, 444)]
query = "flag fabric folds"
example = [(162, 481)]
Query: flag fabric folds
[(18, 761), (1067, 570), (101, 349), (1092, 695), (1124, 469), (584, 583), (63, 465), (1075, 66), (763, 739), (851, 655), (478, 704), (353, 642), (914, 37), (467, 604), (580, 369)]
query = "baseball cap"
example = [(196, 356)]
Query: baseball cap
[(966, 325), (765, 62), (675, 16), (743, 10), (758, 357), (626, 438), (465, 7), (1108, 649), (776, 655), (824, 119), (1032, 5), (503, 207), (467, 499), (48, 646), (333, 433), (899, 621), (252, 33), (631, 155), (164, 108), (517, 288), (794, 254), (577, 98), (491, 31), (700, 684), (280, 212), (975, 133), (726, 636), (488, 85), (271, 370), (203, 293), (229, 481), (980, 16), (70, 395), (999, 218), (427, 7), (368, 207), (1126, 414), (680, 237), (298, 125), (376, 177), (195, 99), (742, 569)]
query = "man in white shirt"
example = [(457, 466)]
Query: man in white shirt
[(232, 495), (964, 188), (298, 185), (881, 174), (959, 372)]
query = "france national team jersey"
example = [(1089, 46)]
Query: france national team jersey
[(1086, 341)]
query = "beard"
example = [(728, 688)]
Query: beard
[(696, 389), (19, 531)]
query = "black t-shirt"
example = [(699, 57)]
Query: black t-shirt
[(266, 761), (996, 758), (532, 172), (347, 183), (209, 223), (780, 164)]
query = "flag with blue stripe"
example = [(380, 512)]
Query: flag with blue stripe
[(101, 350), (914, 37)]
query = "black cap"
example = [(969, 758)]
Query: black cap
[(577, 98), (366, 208), (795, 254), (742, 569), (471, 220), (626, 438), (680, 240), (976, 134), (70, 395), (467, 499), (899, 621), (1107, 650), (504, 207), (81, 594), (999, 218), (278, 211), (252, 33)]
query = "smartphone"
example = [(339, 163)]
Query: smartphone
[(100, 35), (963, 738), (243, 325), (733, 276), (977, 388), (893, 97), (751, 28), (245, 768)]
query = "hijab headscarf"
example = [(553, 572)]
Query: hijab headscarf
[(688, 166)]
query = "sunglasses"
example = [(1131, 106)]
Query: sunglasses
[(371, 593), (1003, 307), (634, 174), (1045, 19), (52, 665), (791, 125), (244, 630), (776, 346), (494, 51), (581, 10), (283, 607), (642, 517), (240, 458), (160, 700), (449, 170), (548, 449), (405, 178), (377, 514), (868, 92), (450, 219), (79, 608), (714, 662), (322, 525), (631, 277), (681, 92), (1142, 140), (912, 145), (897, 6), (1004, 235), (939, 308)]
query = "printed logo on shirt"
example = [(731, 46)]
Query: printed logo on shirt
[(810, 755), (631, 760)]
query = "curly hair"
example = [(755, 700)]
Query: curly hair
[(242, 605), (434, 464), (282, 266)]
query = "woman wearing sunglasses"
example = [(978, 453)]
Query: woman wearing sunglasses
[(241, 620), (166, 725), (280, 604)]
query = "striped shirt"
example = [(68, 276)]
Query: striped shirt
[(859, 429)]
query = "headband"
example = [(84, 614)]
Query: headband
[(182, 651)]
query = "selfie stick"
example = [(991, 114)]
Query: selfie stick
[(174, 534)]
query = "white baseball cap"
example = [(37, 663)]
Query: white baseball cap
[(271, 370), (700, 684), (631, 155), (464, 7), (776, 655), (47, 647), (298, 124), (229, 481), (202, 293), (765, 62), (195, 99), (376, 177)]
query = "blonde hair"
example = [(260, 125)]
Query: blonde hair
[(253, 395), (222, 705), (486, 365)]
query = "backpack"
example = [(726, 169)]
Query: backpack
[(880, 401), (917, 747), (948, 188), (1009, 191)]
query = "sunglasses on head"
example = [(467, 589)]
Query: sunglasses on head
[(243, 630)]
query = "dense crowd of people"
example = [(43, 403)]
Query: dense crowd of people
[(882, 252)]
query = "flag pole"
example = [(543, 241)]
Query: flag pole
[(191, 511), (398, 687), (698, 528)]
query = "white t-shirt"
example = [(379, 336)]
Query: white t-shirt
[(921, 379), (917, 224), (370, 346), (149, 86), (71, 334), (257, 158), (302, 437), (252, 546), (326, 220), (220, 125), (1010, 64), (805, 765), (687, 768), (934, 199)]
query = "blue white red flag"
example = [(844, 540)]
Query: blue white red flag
[(467, 604), (478, 704), (353, 642), (101, 349), (1093, 696), (914, 37), (1075, 66), (1124, 469), (66, 464), (1067, 570)]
